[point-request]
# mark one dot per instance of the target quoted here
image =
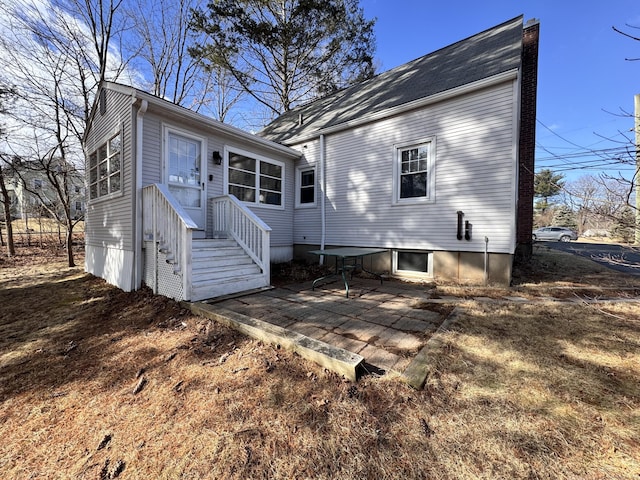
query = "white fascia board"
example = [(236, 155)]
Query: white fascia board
[(205, 121), (405, 107)]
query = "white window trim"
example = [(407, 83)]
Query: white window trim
[(431, 177), (116, 131), (411, 273), (259, 158), (299, 171)]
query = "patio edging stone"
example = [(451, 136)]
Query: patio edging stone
[(331, 357), (418, 370)]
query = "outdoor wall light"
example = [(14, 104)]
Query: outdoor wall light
[(217, 158)]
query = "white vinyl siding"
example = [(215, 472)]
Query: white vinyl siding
[(307, 221), (151, 149), (474, 168), (108, 221), (280, 221)]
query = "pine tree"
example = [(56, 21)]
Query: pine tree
[(547, 185), (625, 226), (565, 217), (285, 52)]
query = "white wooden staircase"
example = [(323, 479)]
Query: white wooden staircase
[(223, 267), (182, 267)]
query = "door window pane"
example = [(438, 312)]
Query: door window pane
[(184, 170)]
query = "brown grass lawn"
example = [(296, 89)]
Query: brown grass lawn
[(96, 384)]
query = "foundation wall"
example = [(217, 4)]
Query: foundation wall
[(458, 267)]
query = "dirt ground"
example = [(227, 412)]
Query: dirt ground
[(96, 383)]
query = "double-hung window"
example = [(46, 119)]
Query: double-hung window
[(413, 173), (306, 191), (253, 179), (105, 168)]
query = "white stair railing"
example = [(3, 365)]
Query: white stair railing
[(232, 218), (169, 226)]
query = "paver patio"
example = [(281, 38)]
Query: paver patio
[(386, 324), (390, 326)]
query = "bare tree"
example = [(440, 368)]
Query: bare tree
[(52, 182), (5, 198), (76, 34), (162, 34), (6, 207), (633, 36), (584, 195), (56, 55), (222, 92), (599, 200), (163, 38)]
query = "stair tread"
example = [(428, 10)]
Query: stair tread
[(207, 267), (215, 281)]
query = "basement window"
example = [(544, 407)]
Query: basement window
[(413, 263)]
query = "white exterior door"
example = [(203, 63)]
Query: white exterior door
[(186, 173)]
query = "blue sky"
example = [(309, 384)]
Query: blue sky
[(584, 79)]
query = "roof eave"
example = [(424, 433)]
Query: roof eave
[(506, 76), (223, 128)]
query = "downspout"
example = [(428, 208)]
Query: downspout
[(138, 267), (323, 187)]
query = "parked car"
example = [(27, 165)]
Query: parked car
[(562, 234)]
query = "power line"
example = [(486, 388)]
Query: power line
[(605, 158)]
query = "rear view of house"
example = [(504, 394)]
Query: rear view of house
[(432, 161)]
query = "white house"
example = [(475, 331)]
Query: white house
[(432, 160), (30, 191)]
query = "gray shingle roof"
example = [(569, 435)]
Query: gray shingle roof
[(483, 55)]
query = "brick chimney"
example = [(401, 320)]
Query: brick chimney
[(527, 139)]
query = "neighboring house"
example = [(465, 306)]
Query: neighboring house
[(432, 160), (30, 191)]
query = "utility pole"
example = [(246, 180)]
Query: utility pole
[(636, 178)]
